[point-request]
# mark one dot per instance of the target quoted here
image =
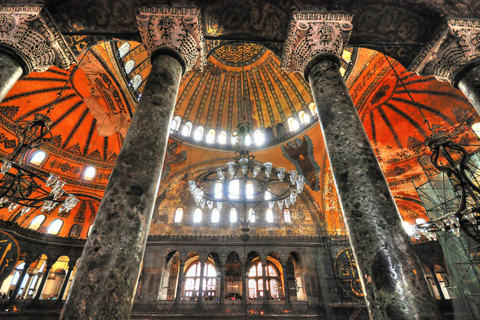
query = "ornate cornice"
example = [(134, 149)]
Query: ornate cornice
[(313, 33), (455, 44), (31, 34), (176, 28)]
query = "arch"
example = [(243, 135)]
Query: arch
[(178, 215), (124, 49), (215, 215), (304, 117), (198, 134), (129, 66), (222, 137), (258, 137), (256, 288), (89, 173), (55, 227), (136, 81), (37, 222), (74, 231), (233, 138), (187, 129), (192, 280), (210, 136), (38, 158), (269, 215), (233, 215), (197, 215), (249, 190), (177, 120), (312, 108), (287, 217), (293, 124), (251, 215)]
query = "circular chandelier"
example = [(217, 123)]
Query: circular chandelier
[(245, 183), (27, 186), (453, 160)]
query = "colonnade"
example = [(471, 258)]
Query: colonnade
[(110, 265)]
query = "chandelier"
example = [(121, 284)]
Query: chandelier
[(24, 185), (245, 183), (453, 160)]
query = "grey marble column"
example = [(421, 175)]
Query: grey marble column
[(285, 284), (393, 279), (200, 288), (48, 267), (181, 275), (10, 71), (244, 284), (264, 278), (109, 268), (222, 284), (469, 83)]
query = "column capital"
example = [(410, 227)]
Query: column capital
[(312, 33), (179, 29), (30, 33), (455, 44)]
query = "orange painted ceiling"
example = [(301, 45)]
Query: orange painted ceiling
[(91, 107)]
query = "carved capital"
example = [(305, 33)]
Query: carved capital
[(176, 28), (454, 45), (313, 33), (31, 34)]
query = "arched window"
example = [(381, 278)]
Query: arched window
[(178, 215), (197, 215), (89, 230), (233, 215), (211, 136), (74, 231), (234, 189), (89, 174), (215, 215), (129, 66), (55, 227), (198, 134), (304, 117), (269, 216), (292, 124), (187, 129), (233, 138), (124, 49), (259, 137), (136, 81), (16, 275), (313, 109), (192, 280), (218, 189), (251, 215), (249, 190), (37, 222), (38, 158), (176, 123), (222, 137), (256, 287), (286, 216)]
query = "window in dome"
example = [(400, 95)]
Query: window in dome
[(234, 189), (55, 227), (420, 221), (222, 137), (37, 222), (178, 215), (248, 140), (197, 215), (38, 158), (312, 108), (233, 215), (74, 231), (176, 123), (408, 228), (18, 271), (259, 137), (211, 136), (304, 117), (124, 49), (136, 81), (286, 216), (218, 189), (249, 190), (187, 128), (215, 215), (198, 134), (251, 215), (476, 129), (89, 174), (129, 66), (269, 217), (268, 195), (293, 124), (233, 139)]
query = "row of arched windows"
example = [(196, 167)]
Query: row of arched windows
[(39, 157), (55, 227), (233, 216)]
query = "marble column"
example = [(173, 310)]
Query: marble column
[(45, 47), (453, 55), (200, 287), (65, 282), (264, 278), (222, 284), (285, 283), (181, 276), (243, 270), (46, 272), (391, 274), (109, 268)]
